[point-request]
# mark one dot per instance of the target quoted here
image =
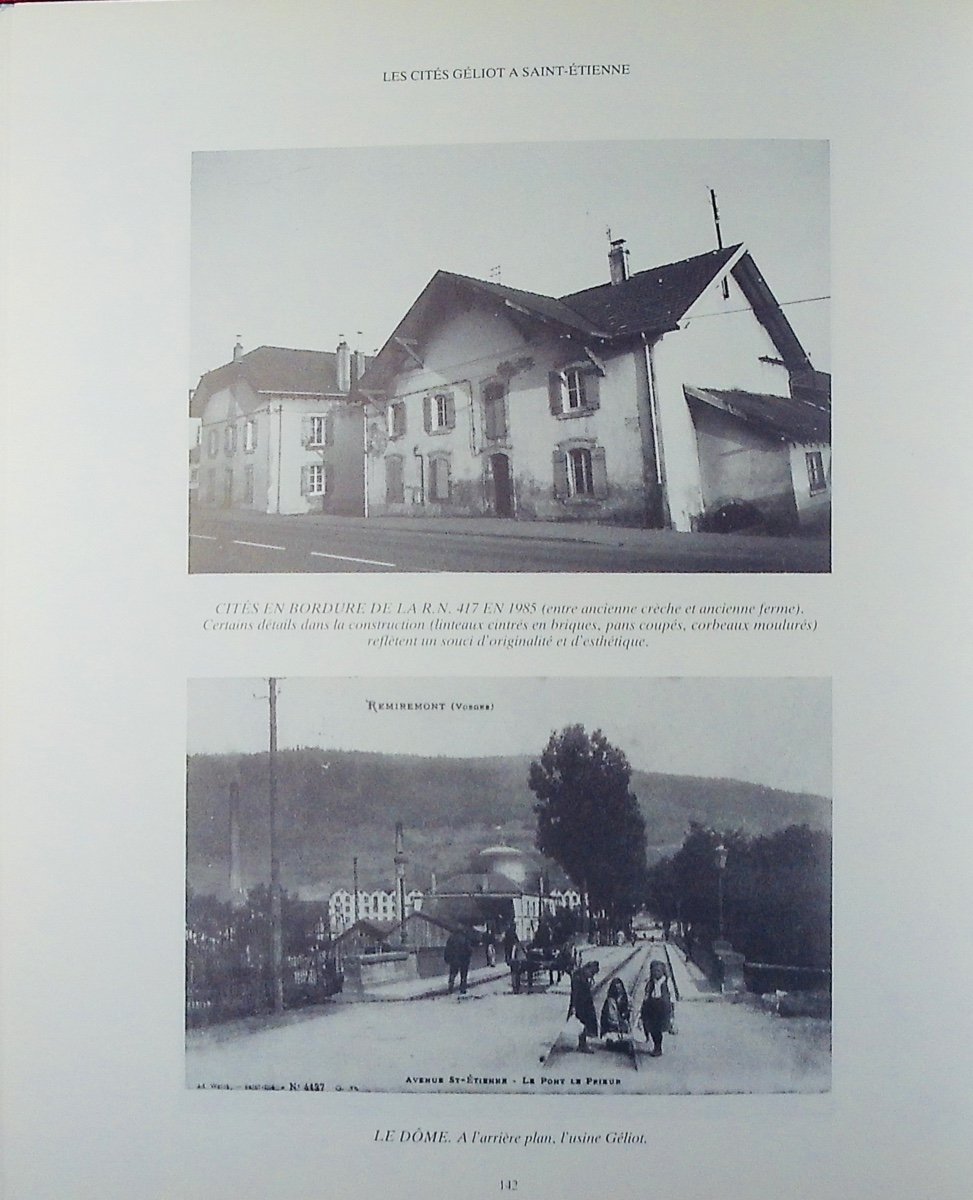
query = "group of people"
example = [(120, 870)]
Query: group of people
[(616, 1027)]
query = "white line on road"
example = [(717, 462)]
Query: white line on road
[(372, 562), (259, 545), (207, 537)]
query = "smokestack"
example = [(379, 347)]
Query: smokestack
[(236, 878), (400, 860), (618, 261), (342, 366), (238, 349), (357, 365)]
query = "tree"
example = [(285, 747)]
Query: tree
[(589, 821)]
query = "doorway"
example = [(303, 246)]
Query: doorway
[(503, 491)]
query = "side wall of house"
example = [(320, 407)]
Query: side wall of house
[(719, 344), (470, 351), (738, 463), (263, 469), (813, 500), (234, 467)]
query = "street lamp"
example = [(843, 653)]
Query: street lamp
[(720, 869)]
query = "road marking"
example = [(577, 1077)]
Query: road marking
[(259, 545), (372, 562), (207, 537)]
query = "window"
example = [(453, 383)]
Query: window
[(229, 439), (573, 390), (439, 412), (314, 480), (248, 485), (250, 435), (494, 412), (209, 493), (319, 429), (394, 486), (815, 471), (439, 478), (580, 472), (213, 443), (396, 419)]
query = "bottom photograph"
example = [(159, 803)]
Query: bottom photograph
[(525, 885)]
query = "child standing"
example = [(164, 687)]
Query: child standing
[(657, 1006)]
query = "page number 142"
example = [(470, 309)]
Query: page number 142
[(508, 1185)]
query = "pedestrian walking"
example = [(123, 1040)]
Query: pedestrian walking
[(509, 938), (457, 952), (489, 941), (582, 1006), (657, 1008)]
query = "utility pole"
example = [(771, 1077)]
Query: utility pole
[(276, 917)]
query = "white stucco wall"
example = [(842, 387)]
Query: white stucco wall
[(279, 454), (465, 353), (719, 345)]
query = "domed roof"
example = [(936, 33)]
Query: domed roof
[(503, 860)]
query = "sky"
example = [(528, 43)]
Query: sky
[(299, 247), (775, 732)]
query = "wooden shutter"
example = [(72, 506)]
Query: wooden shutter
[(329, 429), (599, 473), (306, 431), (562, 488), (254, 425), (592, 398), (450, 411), (305, 479), (554, 392), (427, 413), (398, 419)]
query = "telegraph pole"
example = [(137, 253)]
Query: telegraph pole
[(276, 918)]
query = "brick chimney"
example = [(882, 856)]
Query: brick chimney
[(357, 365), (618, 261), (342, 366)]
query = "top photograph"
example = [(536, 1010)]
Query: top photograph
[(535, 357)]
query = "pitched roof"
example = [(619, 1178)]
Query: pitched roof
[(786, 417), (275, 369), (652, 301)]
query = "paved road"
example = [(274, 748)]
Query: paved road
[(254, 543), (493, 1040)]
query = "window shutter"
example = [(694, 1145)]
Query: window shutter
[(306, 431), (592, 398), (599, 473), (326, 479), (398, 419), (305, 479), (253, 434), (329, 429), (561, 486), (427, 413), (450, 411), (554, 392)]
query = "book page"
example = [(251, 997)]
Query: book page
[(450, 740)]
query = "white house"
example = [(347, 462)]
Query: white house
[(650, 400), (278, 434)]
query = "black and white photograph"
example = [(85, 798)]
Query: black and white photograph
[(606, 356), (541, 886)]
